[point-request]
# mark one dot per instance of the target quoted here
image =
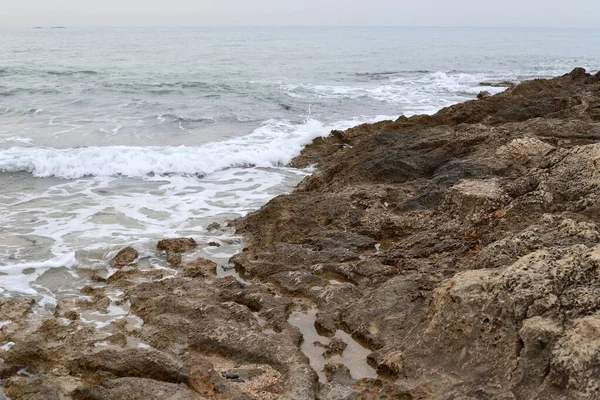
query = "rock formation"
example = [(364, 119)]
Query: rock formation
[(462, 249)]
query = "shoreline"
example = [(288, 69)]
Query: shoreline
[(449, 246)]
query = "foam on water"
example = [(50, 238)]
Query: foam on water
[(17, 277), (412, 92), (273, 144), (82, 205)]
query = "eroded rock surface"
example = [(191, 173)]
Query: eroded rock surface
[(482, 281), (462, 249)]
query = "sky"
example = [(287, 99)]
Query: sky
[(134, 13)]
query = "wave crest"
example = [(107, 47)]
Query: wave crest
[(273, 144)]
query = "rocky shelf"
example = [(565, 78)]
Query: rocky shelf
[(452, 256)]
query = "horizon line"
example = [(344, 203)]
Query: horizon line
[(294, 26)]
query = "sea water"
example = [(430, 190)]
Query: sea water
[(116, 137)]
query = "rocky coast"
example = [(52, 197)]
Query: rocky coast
[(447, 256)]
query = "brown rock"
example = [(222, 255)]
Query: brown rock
[(213, 226), (178, 245), (335, 347), (124, 257), (201, 380), (199, 268), (72, 315), (31, 388), (483, 95), (173, 258), (135, 389)]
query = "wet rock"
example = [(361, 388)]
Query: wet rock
[(14, 318), (199, 321), (201, 267), (118, 339), (484, 94), (178, 245), (213, 226), (31, 388), (485, 216), (15, 310), (335, 347), (72, 315), (132, 363), (229, 375), (26, 353), (124, 257), (506, 84), (135, 389), (214, 244), (201, 381), (338, 373), (173, 258)]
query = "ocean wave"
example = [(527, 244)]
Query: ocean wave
[(273, 144), (383, 75), (6, 92), (179, 119), (67, 73), (398, 88), (218, 87)]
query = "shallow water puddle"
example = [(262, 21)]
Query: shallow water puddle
[(354, 356)]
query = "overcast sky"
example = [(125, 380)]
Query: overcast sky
[(528, 13)]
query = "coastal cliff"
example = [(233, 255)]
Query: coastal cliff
[(461, 250)]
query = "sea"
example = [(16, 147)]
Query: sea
[(121, 137)]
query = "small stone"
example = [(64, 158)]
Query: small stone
[(214, 244), (229, 375), (335, 347), (178, 245), (72, 315), (174, 258), (213, 226), (484, 94), (199, 268), (96, 277), (200, 380), (124, 257), (118, 339)]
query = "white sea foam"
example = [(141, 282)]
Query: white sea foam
[(19, 276), (413, 93), (6, 346), (273, 144)]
